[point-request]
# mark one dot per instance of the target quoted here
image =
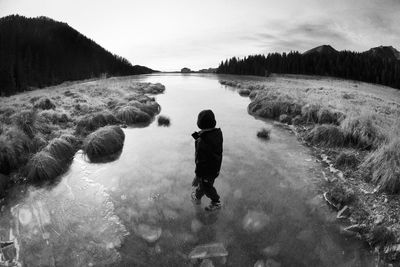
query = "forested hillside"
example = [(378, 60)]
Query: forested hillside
[(379, 65), (38, 52)]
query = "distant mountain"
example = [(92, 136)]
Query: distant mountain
[(388, 52), (323, 49), (38, 52)]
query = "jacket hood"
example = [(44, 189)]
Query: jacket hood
[(206, 119)]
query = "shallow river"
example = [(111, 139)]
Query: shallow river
[(136, 211)]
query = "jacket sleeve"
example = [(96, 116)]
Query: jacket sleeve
[(200, 157)]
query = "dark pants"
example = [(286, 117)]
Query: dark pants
[(205, 186)]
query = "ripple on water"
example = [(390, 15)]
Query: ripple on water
[(72, 224)]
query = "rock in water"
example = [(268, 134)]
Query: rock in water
[(207, 263), (272, 251), (255, 221), (259, 263), (149, 233), (208, 251)]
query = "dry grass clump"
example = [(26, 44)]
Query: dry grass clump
[(309, 113), (327, 116), (26, 121), (341, 195), (285, 119), (383, 166), (43, 167), (272, 108), (14, 149), (380, 235), (163, 120), (74, 141), (132, 115), (298, 120), (253, 94), (363, 132), (244, 92), (54, 117), (150, 107), (347, 159), (326, 135), (61, 150), (104, 143), (92, 122), (45, 103), (154, 88), (264, 133)]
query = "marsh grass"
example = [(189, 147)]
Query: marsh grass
[(92, 122), (383, 166), (72, 140), (54, 117), (45, 104), (341, 195), (272, 108), (326, 135), (15, 147), (43, 167), (26, 121), (347, 159), (244, 92), (363, 132), (133, 115), (264, 133), (285, 119), (61, 150), (163, 120), (101, 145), (150, 107)]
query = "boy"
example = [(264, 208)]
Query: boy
[(208, 158)]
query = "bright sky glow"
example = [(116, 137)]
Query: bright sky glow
[(171, 34)]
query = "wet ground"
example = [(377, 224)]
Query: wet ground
[(136, 211)]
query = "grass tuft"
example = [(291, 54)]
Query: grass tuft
[(272, 107), (310, 112), (133, 115), (45, 103), (61, 150), (94, 121), (285, 119), (244, 92), (363, 132), (26, 121), (103, 144), (74, 141), (163, 121), (264, 133), (327, 116), (147, 106), (347, 159), (383, 166), (326, 135), (341, 195), (43, 167)]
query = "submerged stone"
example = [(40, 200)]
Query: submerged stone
[(208, 251), (207, 263), (272, 251), (149, 233), (259, 263), (255, 221), (272, 263)]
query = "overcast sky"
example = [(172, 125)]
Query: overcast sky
[(168, 35)]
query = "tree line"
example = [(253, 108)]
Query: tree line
[(367, 67), (38, 52)]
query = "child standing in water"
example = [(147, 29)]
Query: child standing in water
[(208, 158)]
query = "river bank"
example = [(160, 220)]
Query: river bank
[(41, 130), (352, 129)]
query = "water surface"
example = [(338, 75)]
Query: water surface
[(101, 214)]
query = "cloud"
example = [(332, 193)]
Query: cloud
[(282, 36)]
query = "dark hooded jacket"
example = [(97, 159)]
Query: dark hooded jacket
[(208, 153), (208, 146)]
